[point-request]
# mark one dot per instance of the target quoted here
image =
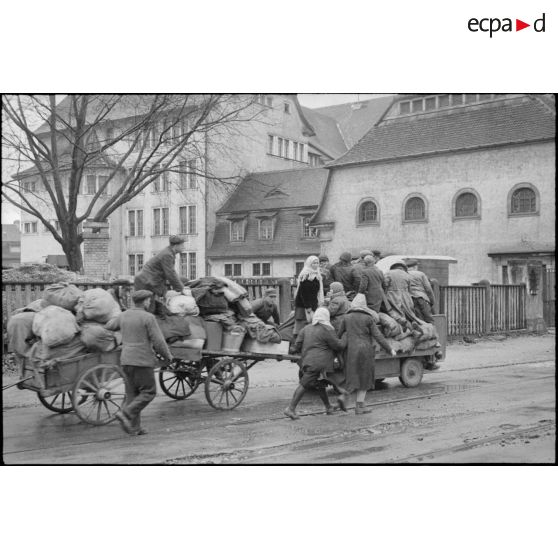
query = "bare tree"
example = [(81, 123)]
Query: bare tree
[(136, 139)]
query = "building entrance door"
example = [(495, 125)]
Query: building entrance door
[(549, 296)]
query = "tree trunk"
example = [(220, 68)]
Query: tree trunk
[(73, 255)]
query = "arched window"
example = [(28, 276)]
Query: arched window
[(415, 209), (466, 205), (368, 213), (523, 200)]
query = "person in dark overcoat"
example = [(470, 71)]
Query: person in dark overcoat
[(140, 335), (326, 273), (360, 328), (398, 294), (421, 292), (341, 272), (372, 284), (309, 293), (318, 344), (338, 303), (265, 308), (157, 271)]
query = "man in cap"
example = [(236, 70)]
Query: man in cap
[(358, 268), (421, 292), (372, 284), (265, 308), (140, 335), (342, 273), (159, 270), (377, 255)]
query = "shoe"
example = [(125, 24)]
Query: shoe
[(141, 432), (291, 414), (341, 402), (331, 410), (432, 366), (125, 423), (360, 409)]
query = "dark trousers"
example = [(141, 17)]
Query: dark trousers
[(140, 391), (423, 310)]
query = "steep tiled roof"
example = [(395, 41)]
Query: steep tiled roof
[(524, 120), (287, 239), (328, 137), (355, 119), (276, 190)]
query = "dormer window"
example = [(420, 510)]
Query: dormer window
[(425, 104), (237, 230), (266, 229)]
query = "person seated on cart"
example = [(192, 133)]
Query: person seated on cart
[(266, 308), (140, 335), (421, 292), (318, 344), (159, 270), (341, 272)]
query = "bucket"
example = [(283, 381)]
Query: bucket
[(232, 341)]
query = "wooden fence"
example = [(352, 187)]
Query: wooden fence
[(484, 308), (470, 310)]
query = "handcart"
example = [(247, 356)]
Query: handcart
[(92, 385)]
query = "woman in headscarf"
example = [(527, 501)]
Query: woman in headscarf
[(338, 304), (360, 328), (309, 293), (318, 344)]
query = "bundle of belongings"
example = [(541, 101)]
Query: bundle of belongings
[(406, 337), (216, 315), (65, 323)]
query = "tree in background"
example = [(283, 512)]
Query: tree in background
[(135, 139)]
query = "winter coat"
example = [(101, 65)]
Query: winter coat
[(140, 334), (307, 294), (371, 285), (318, 345), (264, 310), (343, 273), (338, 305), (398, 294), (420, 286), (155, 273), (327, 279), (359, 355)]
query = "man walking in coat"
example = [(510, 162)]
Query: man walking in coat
[(372, 284), (140, 334), (157, 271), (265, 308), (421, 292)]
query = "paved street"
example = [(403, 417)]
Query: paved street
[(491, 402)]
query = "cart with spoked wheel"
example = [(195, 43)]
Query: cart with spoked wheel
[(92, 385), (224, 374)]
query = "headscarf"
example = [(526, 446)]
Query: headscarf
[(321, 316), (336, 287), (369, 260), (358, 304), (309, 274)]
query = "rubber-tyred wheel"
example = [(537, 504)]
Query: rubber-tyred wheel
[(99, 393), (226, 384), (180, 379), (411, 372), (59, 403)]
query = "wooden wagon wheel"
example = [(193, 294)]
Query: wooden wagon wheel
[(226, 384), (411, 372), (181, 378), (59, 403), (99, 393)]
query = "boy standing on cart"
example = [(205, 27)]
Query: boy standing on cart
[(140, 335)]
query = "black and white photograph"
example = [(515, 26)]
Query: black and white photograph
[(279, 278)]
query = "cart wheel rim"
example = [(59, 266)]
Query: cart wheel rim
[(180, 380), (59, 403), (99, 393), (227, 384)]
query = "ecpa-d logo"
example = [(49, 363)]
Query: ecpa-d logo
[(494, 24)]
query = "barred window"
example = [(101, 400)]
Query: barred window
[(524, 200), (368, 212), (415, 210), (466, 205)]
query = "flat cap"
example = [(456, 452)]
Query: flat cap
[(270, 292), (411, 263), (345, 257), (175, 239), (142, 294), (323, 258)]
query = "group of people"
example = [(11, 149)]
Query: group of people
[(336, 315), (335, 320)]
